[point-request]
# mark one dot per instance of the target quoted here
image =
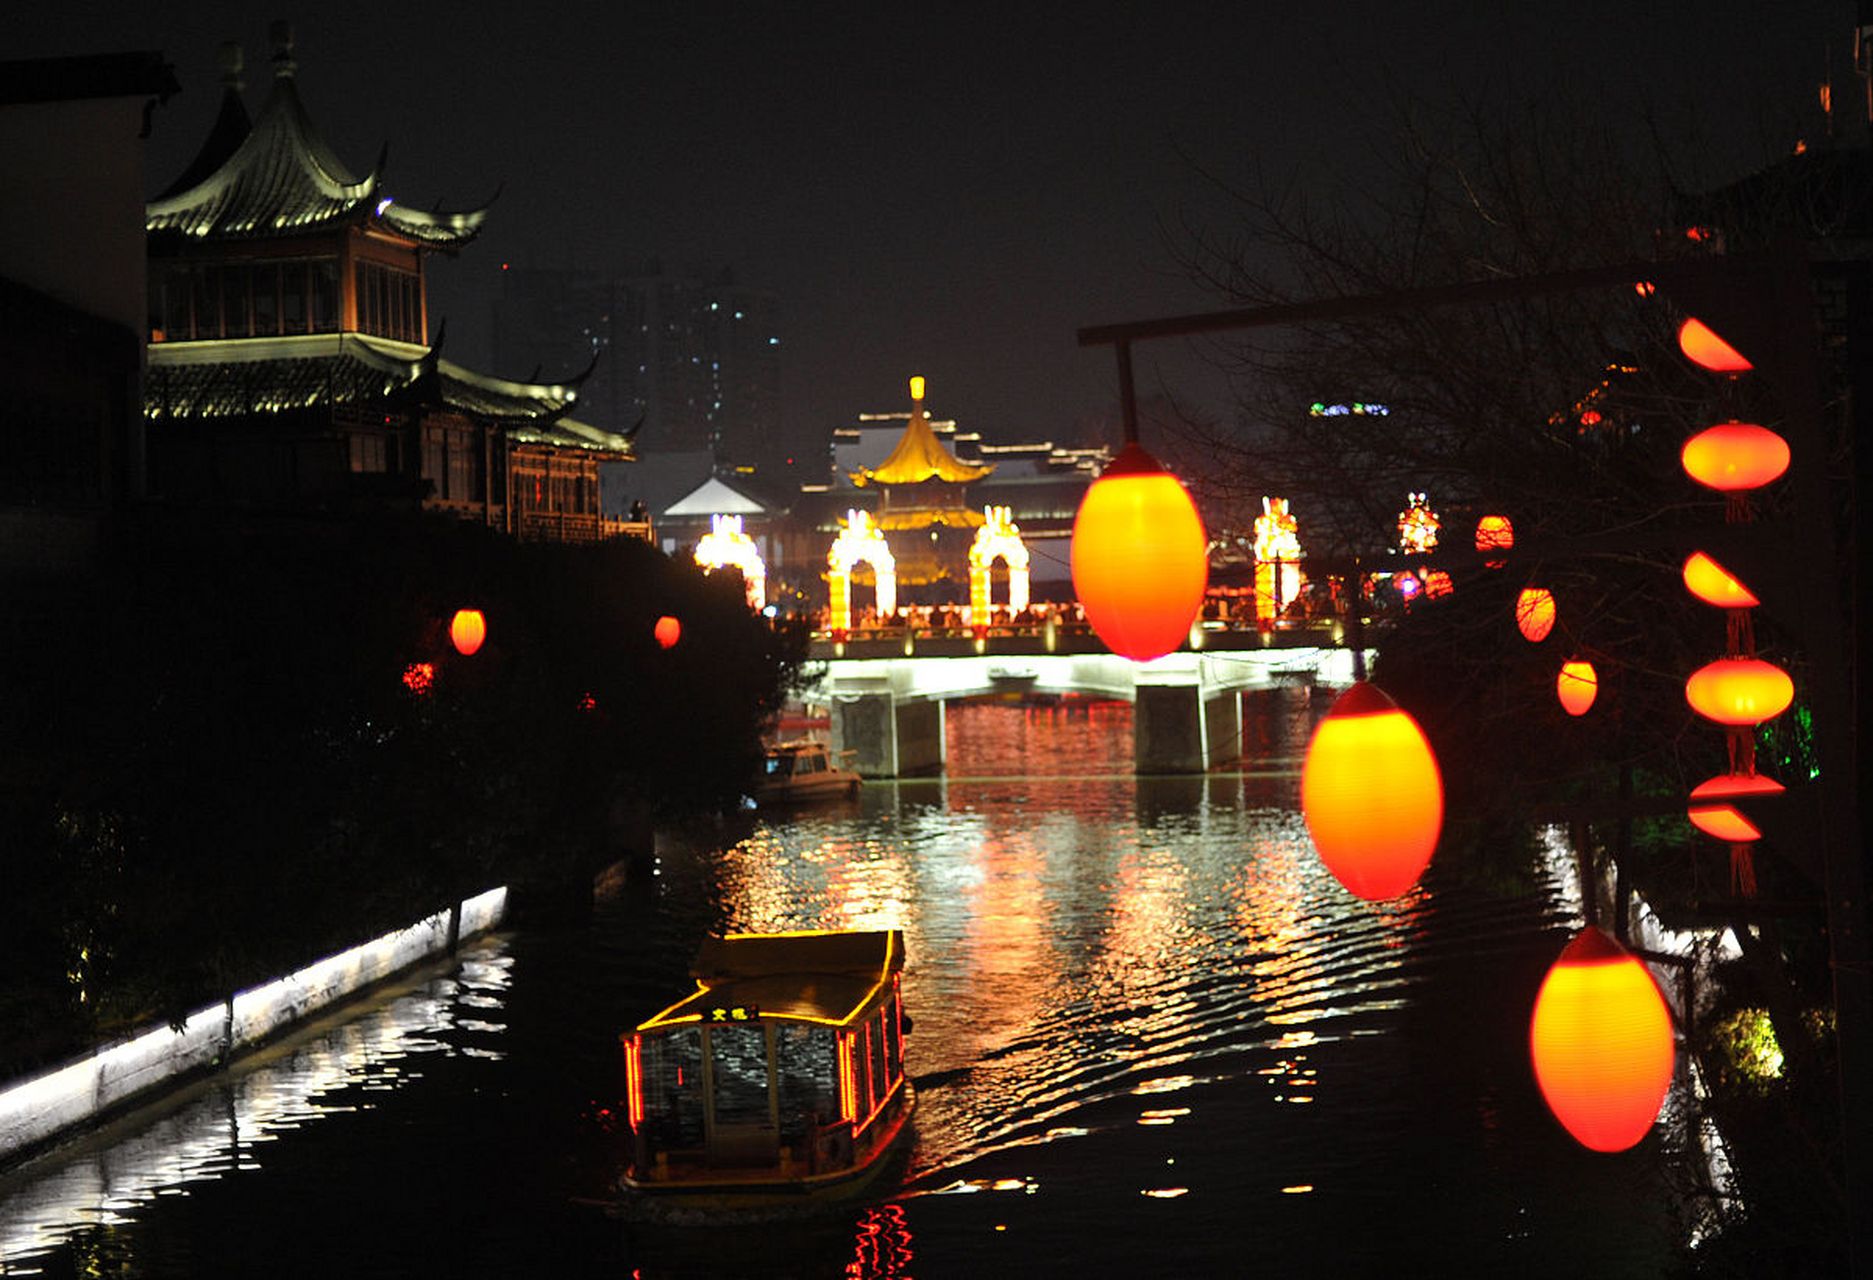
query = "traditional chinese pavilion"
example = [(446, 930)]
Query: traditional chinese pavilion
[(289, 359), (924, 505)]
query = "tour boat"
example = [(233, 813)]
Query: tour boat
[(802, 770), (776, 1087)]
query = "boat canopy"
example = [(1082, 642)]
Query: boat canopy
[(814, 976)]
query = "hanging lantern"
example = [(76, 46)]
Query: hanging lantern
[(1577, 686), (1711, 812), (467, 630), (1739, 691), (1494, 533), (1371, 794), (1140, 557), (1601, 1041), (668, 631), (1534, 613), (1714, 584), (1702, 346), (1734, 457)]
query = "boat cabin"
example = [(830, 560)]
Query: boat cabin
[(785, 1064), (786, 760)]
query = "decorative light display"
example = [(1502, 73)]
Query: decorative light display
[(1577, 685), (467, 630), (726, 544), (667, 631), (1417, 525), (1739, 691), (1714, 584), (1140, 557), (998, 538), (1494, 533), (1277, 559), (1534, 613), (1371, 794), (1734, 457), (860, 541), (1601, 1043), (1437, 583), (1702, 346), (420, 678)]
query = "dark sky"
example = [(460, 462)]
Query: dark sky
[(951, 190)]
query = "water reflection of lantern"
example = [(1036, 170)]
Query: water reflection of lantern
[(1494, 533), (1601, 1042), (1702, 346), (1733, 457), (1371, 794), (1739, 691), (1577, 685), (1534, 613), (668, 631), (1714, 584), (1277, 559), (999, 538), (1140, 557), (727, 544), (467, 629)]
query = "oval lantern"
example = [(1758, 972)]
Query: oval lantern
[(1534, 613), (1494, 533), (1734, 457), (1714, 584), (1601, 1043), (1712, 813), (1140, 557), (1702, 346), (1739, 691), (1371, 794), (1577, 686), (668, 631), (467, 630)]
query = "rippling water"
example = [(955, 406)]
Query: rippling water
[(1152, 1036)]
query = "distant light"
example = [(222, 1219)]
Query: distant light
[(383, 205)]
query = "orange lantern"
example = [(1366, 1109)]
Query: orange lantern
[(1577, 686), (1712, 813), (1714, 584), (1371, 794), (1140, 557), (1534, 613), (1601, 1041), (1739, 691), (1702, 346), (1494, 533), (467, 629), (668, 631), (1734, 457)]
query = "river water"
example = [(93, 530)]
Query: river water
[(1152, 1037)]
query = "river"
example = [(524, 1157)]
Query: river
[(1152, 1037)]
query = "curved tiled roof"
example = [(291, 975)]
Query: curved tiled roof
[(919, 456)]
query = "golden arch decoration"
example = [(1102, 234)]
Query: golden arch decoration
[(998, 538), (725, 544), (859, 541), (1277, 559)]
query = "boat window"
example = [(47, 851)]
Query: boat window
[(807, 1063), (875, 1055), (739, 1057), (893, 1039), (673, 1088), (777, 765)]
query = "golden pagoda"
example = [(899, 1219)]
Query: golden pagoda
[(922, 488)]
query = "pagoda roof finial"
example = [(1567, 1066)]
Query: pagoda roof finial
[(281, 33)]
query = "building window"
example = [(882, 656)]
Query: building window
[(368, 453), (389, 302)]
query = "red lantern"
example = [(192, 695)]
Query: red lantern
[(1371, 794), (1702, 346), (1739, 691), (1601, 1042), (1140, 557), (467, 630), (1577, 686), (1714, 584), (1711, 812), (1494, 533), (668, 631), (1734, 457), (1534, 613)]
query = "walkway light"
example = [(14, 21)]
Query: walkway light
[(1733, 457), (1140, 557), (668, 631), (1714, 584), (1702, 346), (1577, 685), (1534, 613), (1371, 794), (467, 630), (1601, 1042), (1739, 691)]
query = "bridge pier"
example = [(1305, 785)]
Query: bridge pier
[(1184, 728), (889, 737)]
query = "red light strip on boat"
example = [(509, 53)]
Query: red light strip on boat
[(848, 1100)]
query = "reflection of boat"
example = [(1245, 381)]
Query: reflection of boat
[(802, 770), (776, 1086)]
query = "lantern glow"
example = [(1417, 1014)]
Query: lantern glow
[(1140, 557), (1734, 457), (1494, 533), (1739, 691), (1702, 346), (1711, 812), (667, 631), (1534, 613), (1372, 795), (467, 630), (1601, 1043), (1577, 685), (1714, 584)]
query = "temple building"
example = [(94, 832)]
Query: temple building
[(289, 358)]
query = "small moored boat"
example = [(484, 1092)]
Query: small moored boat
[(776, 1086), (802, 770)]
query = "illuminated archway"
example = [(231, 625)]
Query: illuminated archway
[(1277, 559), (999, 538), (726, 544), (859, 540)]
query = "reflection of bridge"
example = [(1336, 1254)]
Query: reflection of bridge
[(887, 686)]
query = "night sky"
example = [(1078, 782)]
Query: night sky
[(951, 191)]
